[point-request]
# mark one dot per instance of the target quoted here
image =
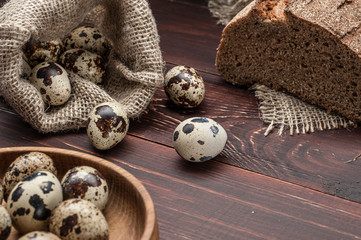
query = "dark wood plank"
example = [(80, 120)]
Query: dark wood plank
[(189, 34), (315, 160), (211, 200)]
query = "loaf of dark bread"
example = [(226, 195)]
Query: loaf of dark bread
[(309, 48)]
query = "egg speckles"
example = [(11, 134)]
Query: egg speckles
[(107, 125), (31, 201), (39, 235), (23, 166), (87, 38), (199, 139), (37, 51), (86, 183), (86, 64), (5, 223), (52, 81), (78, 219), (184, 86)]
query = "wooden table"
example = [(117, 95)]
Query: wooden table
[(275, 187)]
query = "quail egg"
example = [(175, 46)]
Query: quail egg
[(39, 235), (52, 82), (37, 51), (184, 86), (86, 64), (78, 219), (107, 125), (23, 166), (199, 139), (5, 223), (87, 38), (31, 201), (86, 183)]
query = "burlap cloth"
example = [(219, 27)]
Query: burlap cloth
[(281, 110), (135, 63)]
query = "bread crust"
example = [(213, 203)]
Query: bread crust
[(309, 48)]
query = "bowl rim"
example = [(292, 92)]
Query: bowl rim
[(151, 224)]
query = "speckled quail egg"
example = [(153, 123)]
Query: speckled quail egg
[(52, 82), (39, 235), (5, 223), (107, 125), (78, 219), (37, 51), (23, 166), (86, 183), (86, 64), (31, 201), (199, 139), (184, 86), (87, 38)]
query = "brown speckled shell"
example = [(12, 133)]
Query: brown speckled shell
[(23, 166), (86, 64), (78, 219), (108, 124), (31, 201), (87, 38), (52, 81), (86, 183), (5, 223), (39, 235), (184, 86), (37, 51)]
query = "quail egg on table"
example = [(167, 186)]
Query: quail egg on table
[(86, 183), (78, 219), (23, 166), (31, 201), (107, 125), (199, 139), (52, 81), (39, 235), (184, 86), (5, 223), (87, 38), (86, 64), (37, 51)]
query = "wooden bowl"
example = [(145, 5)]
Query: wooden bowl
[(130, 211)]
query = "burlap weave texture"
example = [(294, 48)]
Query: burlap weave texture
[(134, 70), (280, 110)]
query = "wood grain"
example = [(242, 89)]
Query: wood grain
[(275, 187), (202, 201), (318, 161), (135, 216)]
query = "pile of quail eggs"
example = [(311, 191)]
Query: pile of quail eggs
[(39, 206), (84, 52), (196, 139), (45, 64)]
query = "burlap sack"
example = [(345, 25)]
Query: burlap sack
[(133, 73)]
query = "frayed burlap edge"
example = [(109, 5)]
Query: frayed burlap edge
[(278, 109), (135, 66), (225, 10), (286, 112)]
